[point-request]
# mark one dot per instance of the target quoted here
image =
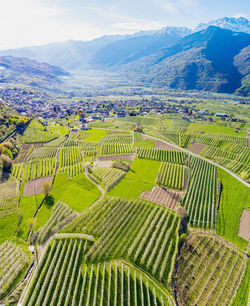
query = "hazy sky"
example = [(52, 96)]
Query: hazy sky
[(34, 22)]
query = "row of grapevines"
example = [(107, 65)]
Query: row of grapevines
[(61, 215), (210, 274), (106, 176), (60, 280), (140, 231), (12, 261), (170, 156), (201, 196), (171, 175)]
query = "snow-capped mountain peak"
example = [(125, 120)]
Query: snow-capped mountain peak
[(240, 24)]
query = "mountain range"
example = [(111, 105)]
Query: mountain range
[(214, 56), (27, 71)]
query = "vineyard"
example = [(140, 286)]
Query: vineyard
[(171, 175), (170, 156), (141, 141), (89, 149), (71, 161), (34, 169), (12, 261), (37, 133), (121, 221), (60, 280), (209, 271), (24, 151), (106, 176), (61, 215), (201, 195), (115, 149), (9, 189), (113, 139), (234, 157), (144, 233), (8, 206), (43, 152)]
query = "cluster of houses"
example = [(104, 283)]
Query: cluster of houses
[(41, 104)]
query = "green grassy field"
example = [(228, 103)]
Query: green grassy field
[(234, 197), (78, 192), (142, 176), (243, 294), (213, 129), (95, 135)]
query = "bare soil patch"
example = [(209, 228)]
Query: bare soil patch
[(164, 146), (103, 163), (161, 196), (196, 147), (33, 187), (117, 157), (244, 229)]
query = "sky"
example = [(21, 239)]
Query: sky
[(36, 22)]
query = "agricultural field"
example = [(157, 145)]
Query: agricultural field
[(142, 176), (214, 129), (61, 215), (115, 149), (170, 156), (77, 192), (60, 280), (161, 196), (38, 133), (117, 217), (13, 261), (141, 141), (106, 176), (209, 271), (95, 135), (171, 175), (200, 200), (141, 232)]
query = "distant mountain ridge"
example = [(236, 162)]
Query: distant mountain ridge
[(31, 72), (240, 24), (213, 59), (214, 56)]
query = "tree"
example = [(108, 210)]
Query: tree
[(20, 122), (6, 163), (244, 175), (46, 187)]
